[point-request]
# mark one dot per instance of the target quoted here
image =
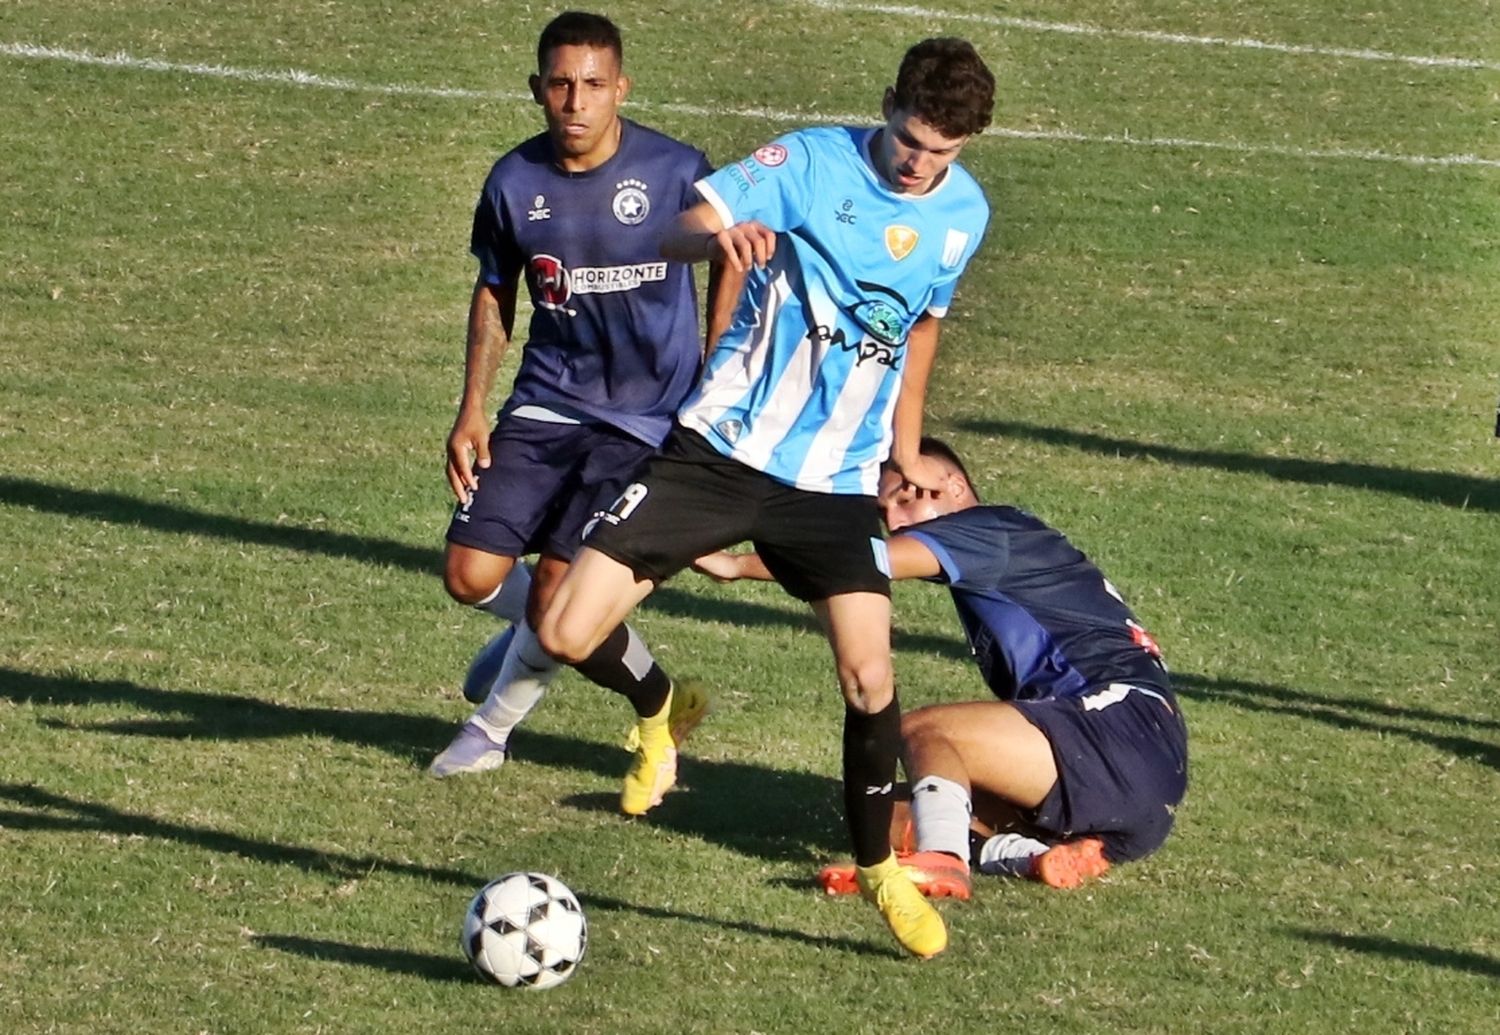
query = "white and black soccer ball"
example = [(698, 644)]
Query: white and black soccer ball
[(525, 930)]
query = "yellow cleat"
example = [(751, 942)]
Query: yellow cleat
[(689, 706), (917, 926), (653, 771)]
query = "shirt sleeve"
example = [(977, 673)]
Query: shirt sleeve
[(491, 241), (972, 547), (958, 248), (774, 185)]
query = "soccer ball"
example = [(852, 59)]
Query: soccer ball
[(525, 930)]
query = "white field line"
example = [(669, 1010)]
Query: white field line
[(294, 77), (1179, 39)]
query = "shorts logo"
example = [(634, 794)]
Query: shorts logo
[(882, 554), (631, 206), (899, 241), (539, 209), (771, 155), (620, 509)]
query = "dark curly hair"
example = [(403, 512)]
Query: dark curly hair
[(945, 83)]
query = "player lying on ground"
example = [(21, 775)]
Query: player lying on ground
[(1083, 758)]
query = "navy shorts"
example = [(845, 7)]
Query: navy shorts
[(1121, 754), (692, 500), (544, 483)]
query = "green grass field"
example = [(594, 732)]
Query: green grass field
[(1233, 331)]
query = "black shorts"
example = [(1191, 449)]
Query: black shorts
[(544, 483), (692, 500), (1121, 754)]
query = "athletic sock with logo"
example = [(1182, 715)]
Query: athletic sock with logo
[(940, 810), (871, 744)]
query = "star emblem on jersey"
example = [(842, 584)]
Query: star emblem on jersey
[(631, 206), (899, 241)]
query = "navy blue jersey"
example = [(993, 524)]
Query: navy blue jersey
[(614, 329), (1042, 620)]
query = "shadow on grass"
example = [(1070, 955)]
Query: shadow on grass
[(432, 967), (403, 962), (751, 809), (189, 714), (1451, 490), (48, 811), (121, 509), (1449, 959), (1347, 713), (38, 809)]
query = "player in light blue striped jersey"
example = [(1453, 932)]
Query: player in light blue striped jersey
[(851, 241)]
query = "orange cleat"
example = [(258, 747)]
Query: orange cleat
[(936, 875), (1070, 864)]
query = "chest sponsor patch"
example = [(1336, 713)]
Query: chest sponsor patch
[(604, 280)]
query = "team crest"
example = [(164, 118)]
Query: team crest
[(631, 206), (899, 241)]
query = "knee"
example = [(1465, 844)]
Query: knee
[(868, 684), (469, 581), (561, 641)]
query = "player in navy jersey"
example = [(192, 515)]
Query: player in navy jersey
[(575, 213), (851, 242), (1083, 757)]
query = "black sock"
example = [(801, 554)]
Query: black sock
[(871, 744), (623, 664)]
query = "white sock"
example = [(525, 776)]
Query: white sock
[(940, 810), (1009, 855), (523, 679), (508, 602)]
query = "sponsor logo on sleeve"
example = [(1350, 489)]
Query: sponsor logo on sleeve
[(771, 155)]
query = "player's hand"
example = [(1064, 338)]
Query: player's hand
[(721, 566), (923, 475), (468, 448), (743, 245)]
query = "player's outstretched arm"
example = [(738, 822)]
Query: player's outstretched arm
[(699, 234), (492, 313), (910, 559)]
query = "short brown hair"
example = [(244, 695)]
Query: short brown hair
[(945, 83), (579, 29)]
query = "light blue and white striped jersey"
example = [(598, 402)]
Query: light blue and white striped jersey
[(803, 383)]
